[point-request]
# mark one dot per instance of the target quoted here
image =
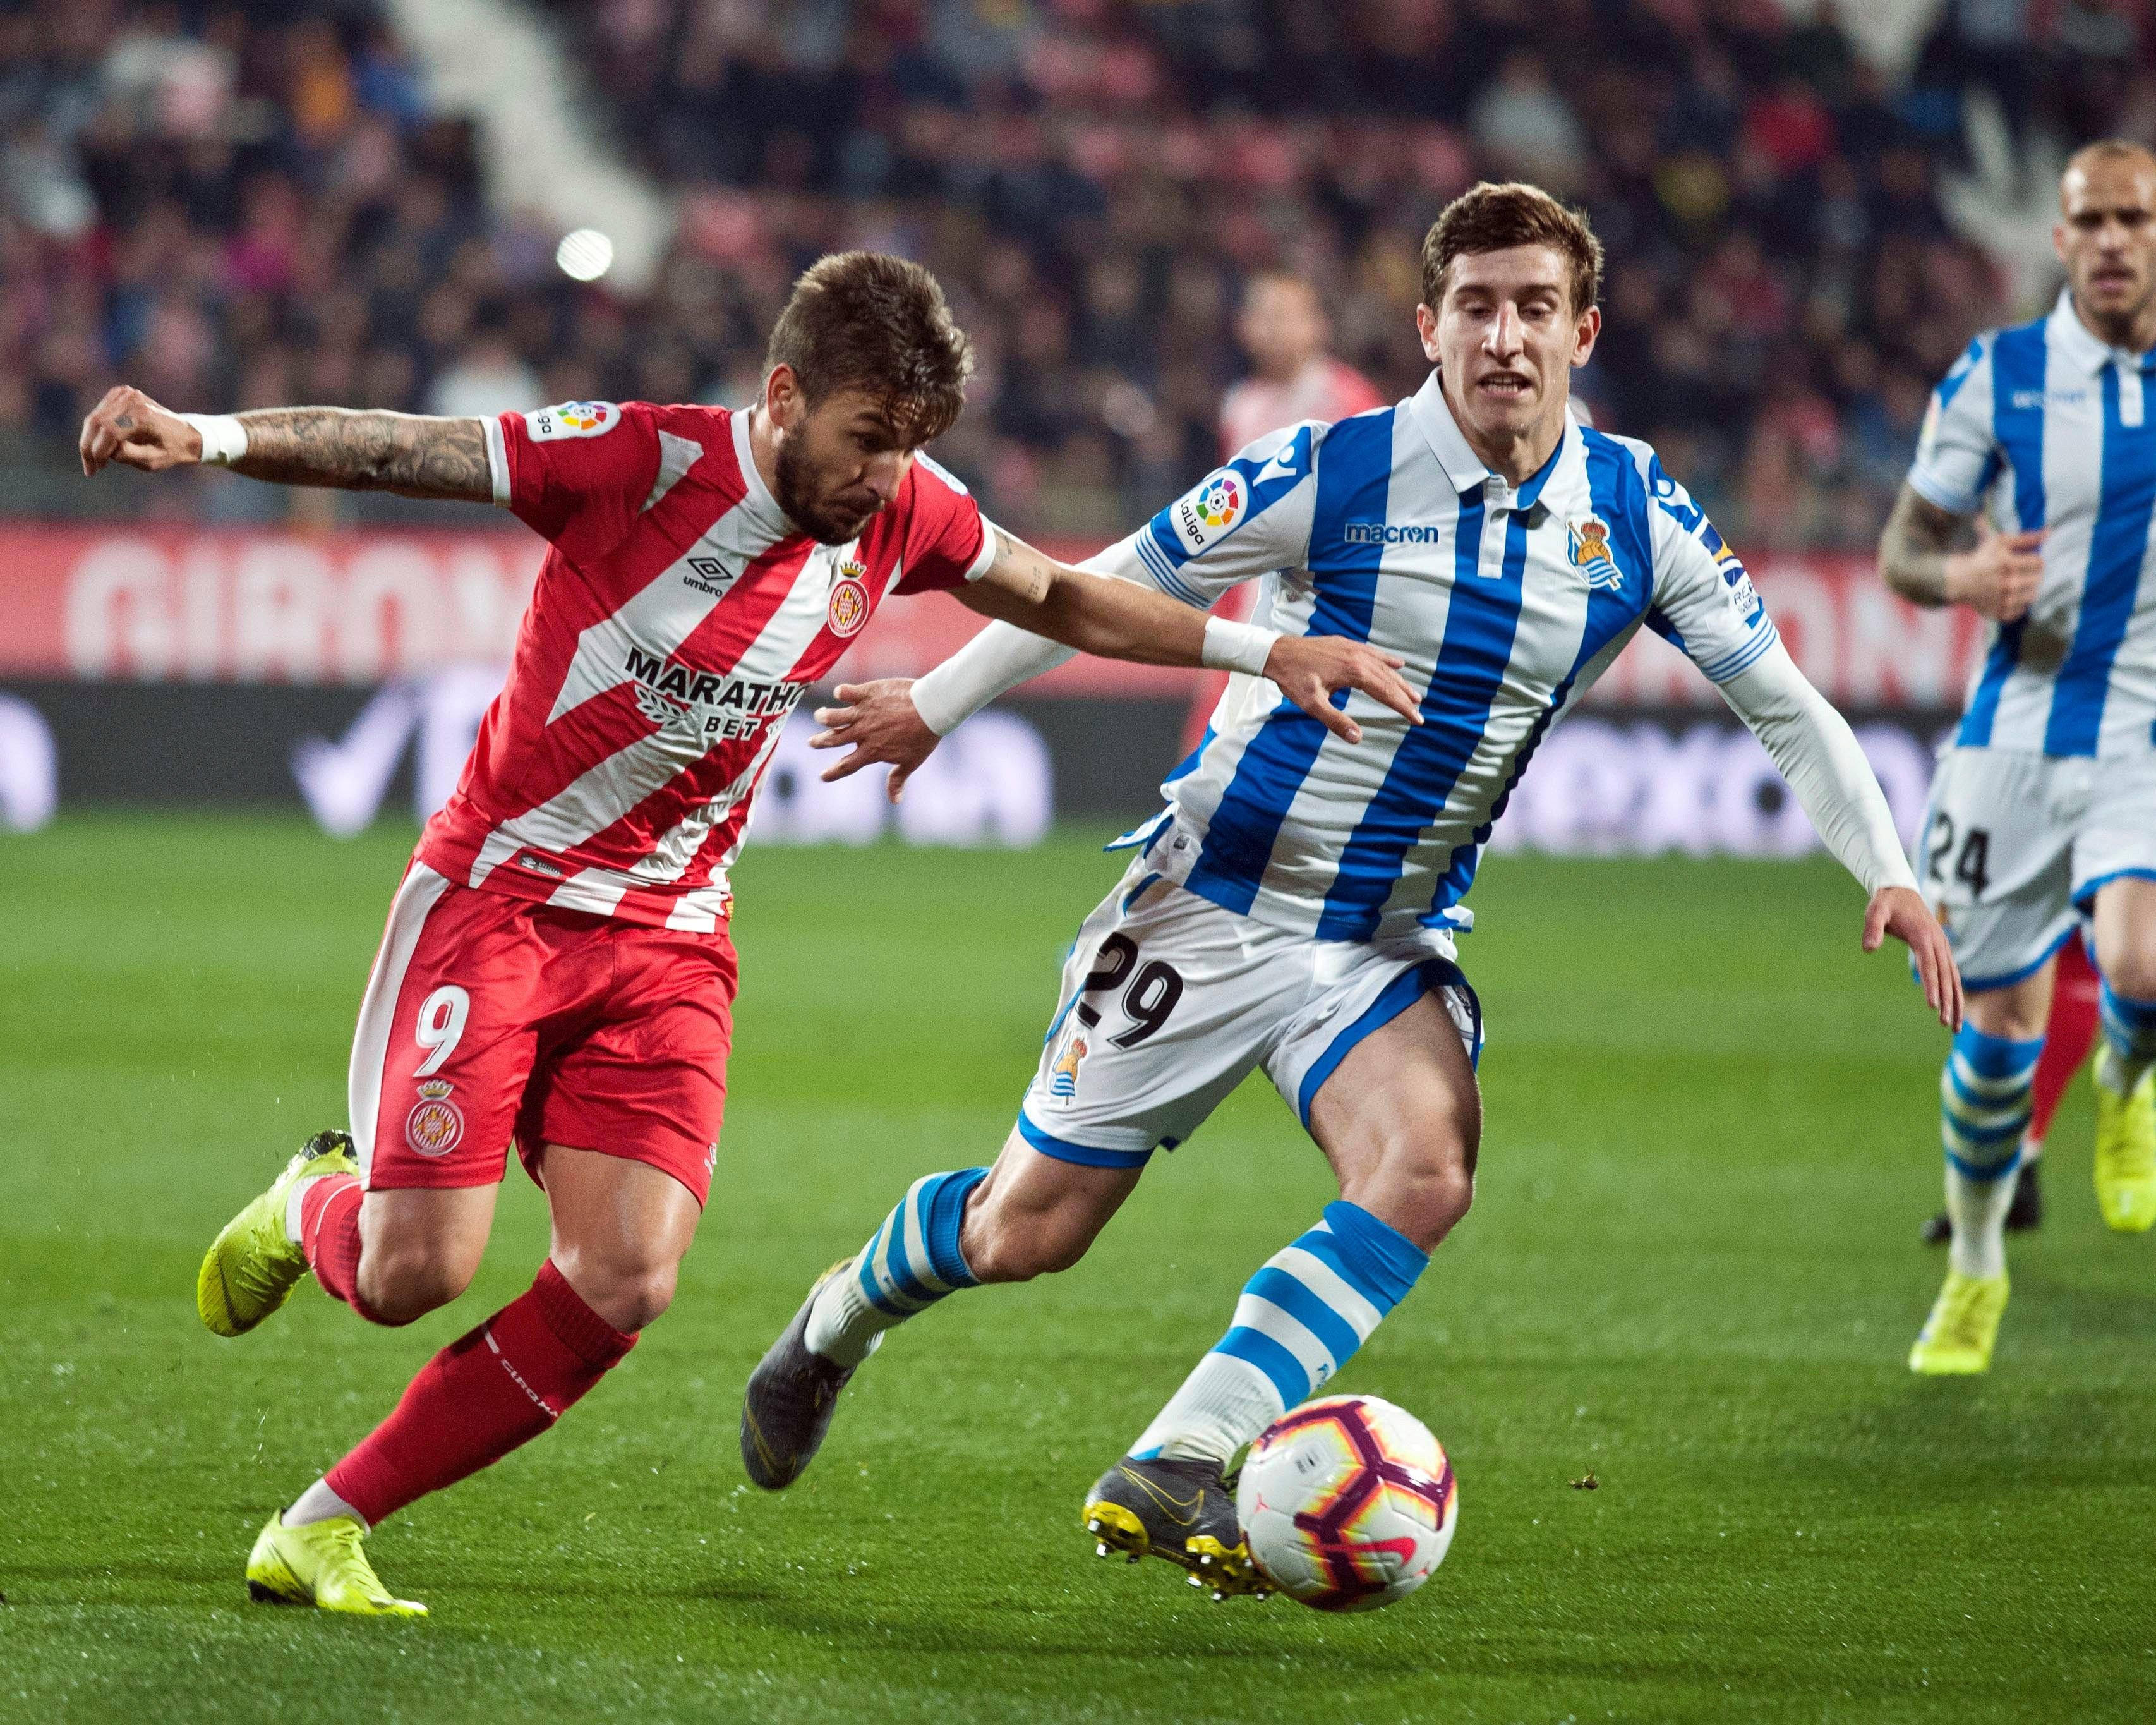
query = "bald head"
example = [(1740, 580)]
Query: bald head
[(2106, 237), (2107, 155)]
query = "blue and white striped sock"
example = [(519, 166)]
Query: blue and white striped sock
[(1983, 1110), (1300, 1320), (909, 1264), (2129, 1041)]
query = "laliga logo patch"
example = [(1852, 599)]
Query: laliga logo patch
[(1214, 507), (1063, 1076), (435, 1123), (1590, 552), (572, 419), (849, 599)]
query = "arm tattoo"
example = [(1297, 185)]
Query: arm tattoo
[(1023, 569), (1914, 548), (360, 451)]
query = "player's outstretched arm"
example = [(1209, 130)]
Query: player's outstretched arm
[(352, 450), (1997, 578), (1121, 620), (1819, 754)]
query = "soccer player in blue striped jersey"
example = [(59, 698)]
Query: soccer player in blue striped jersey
[(1297, 904), (2044, 809)]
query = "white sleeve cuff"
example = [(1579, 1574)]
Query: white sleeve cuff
[(497, 459), (1936, 491), (986, 555)]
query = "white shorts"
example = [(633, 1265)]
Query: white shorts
[(2015, 845), (1168, 1000)]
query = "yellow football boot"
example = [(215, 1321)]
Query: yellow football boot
[(324, 1565), (1956, 1340), (2126, 1155), (251, 1269)]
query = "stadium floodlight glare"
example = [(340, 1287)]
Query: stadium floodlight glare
[(584, 255)]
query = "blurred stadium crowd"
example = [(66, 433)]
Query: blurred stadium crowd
[(243, 202)]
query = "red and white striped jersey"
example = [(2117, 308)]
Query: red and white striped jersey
[(1325, 389), (676, 622)]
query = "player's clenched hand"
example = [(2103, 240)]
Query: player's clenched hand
[(1999, 577), (1901, 912), (879, 722), (129, 428), (1307, 668)]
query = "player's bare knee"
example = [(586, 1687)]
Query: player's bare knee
[(638, 1298), (2131, 973), (400, 1286), (2009, 1013), (1432, 1198), (1003, 1243), (1421, 1185), (629, 1290)]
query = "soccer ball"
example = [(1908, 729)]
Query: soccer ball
[(1347, 1503)]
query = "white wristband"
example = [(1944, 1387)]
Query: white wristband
[(1236, 647), (224, 438)]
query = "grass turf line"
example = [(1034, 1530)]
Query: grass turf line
[(1691, 1267)]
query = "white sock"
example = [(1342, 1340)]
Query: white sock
[(843, 1326), (1977, 1209), (2118, 1073), (318, 1503), (292, 1211), (2129, 1040), (1222, 1404)]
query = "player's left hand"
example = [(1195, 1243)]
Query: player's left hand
[(877, 723), (129, 428), (1901, 912), (1307, 668)]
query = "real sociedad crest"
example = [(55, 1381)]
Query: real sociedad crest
[(1063, 1076), (1590, 552)]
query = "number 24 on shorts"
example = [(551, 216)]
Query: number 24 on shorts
[(1972, 866)]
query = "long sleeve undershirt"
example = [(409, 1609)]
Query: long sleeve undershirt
[(1807, 740)]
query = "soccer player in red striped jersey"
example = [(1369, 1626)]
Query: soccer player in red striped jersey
[(557, 973)]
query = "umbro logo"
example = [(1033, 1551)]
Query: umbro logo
[(710, 574)]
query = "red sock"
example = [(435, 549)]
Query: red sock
[(2069, 1036), (481, 1397), (329, 1234)]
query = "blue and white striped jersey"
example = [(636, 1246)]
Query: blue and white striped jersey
[(2048, 427), (1505, 605)]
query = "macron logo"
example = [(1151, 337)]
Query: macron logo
[(1391, 532)]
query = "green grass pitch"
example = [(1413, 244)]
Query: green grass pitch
[(1691, 1269)]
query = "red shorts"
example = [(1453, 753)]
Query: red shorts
[(489, 1020)]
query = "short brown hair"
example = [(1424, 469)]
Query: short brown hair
[(880, 324), (1495, 217)]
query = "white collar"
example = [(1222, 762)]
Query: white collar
[(756, 499), (1465, 469), (2083, 346)]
